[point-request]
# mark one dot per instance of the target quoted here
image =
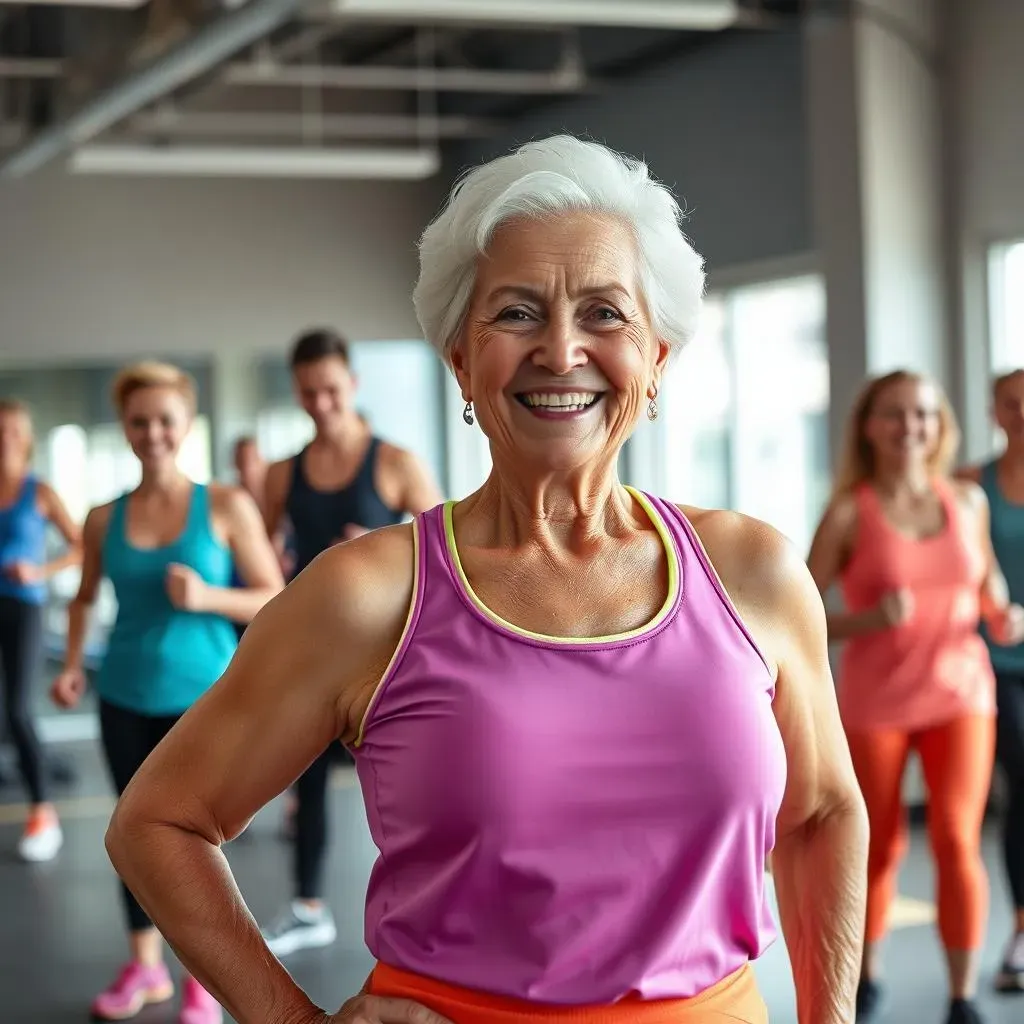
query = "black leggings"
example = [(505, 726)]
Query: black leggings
[(1011, 757), (128, 739), (21, 648), (311, 822)]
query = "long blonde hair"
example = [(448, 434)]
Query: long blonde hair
[(857, 459)]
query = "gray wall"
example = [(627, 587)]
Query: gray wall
[(112, 267), (987, 149), (723, 125)]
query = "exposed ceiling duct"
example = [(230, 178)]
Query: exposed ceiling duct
[(205, 50), (696, 15)]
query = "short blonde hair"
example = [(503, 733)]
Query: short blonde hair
[(857, 460), (151, 374), (16, 407)]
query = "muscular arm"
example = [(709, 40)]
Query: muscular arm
[(301, 677), (54, 510), (419, 492), (253, 554), (830, 550), (275, 495), (995, 594), (93, 532), (820, 857)]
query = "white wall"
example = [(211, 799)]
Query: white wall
[(988, 151), (93, 267)]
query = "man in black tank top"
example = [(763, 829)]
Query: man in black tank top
[(343, 483)]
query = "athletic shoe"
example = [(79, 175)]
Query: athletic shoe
[(869, 1000), (136, 986), (1011, 976), (963, 1011), (300, 926), (42, 838), (198, 1006)]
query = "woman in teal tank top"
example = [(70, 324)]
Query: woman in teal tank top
[(169, 548), (1003, 482)]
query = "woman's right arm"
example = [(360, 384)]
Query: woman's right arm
[(830, 550), (70, 684), (301, 679)]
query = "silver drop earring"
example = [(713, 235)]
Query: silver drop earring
[(652, 406), (467, 413)]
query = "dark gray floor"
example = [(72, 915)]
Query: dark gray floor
[(61, 937)]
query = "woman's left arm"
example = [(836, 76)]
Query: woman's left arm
[(254, 558), (820, 857), (819, 864), (1005, 620), (55, 511)]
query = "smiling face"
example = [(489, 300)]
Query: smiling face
[(557, 353), (903, 425), (156, 421), (1008, 407), (15, 440), (326, 390)]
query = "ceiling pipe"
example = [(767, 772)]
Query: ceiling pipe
[(304, 76), (193, 57), (236, 124)]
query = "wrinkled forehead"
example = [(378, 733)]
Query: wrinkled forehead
[(571, 250)]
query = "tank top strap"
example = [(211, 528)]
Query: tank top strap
[(29, 490), (367, 468), (989, 481), (198, 523), (702, 587)]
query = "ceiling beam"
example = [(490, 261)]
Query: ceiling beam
[(562, 80)]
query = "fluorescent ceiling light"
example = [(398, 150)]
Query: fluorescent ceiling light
[(257, 162), (709, 15)]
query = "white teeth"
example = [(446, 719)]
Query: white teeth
[(570, 402)]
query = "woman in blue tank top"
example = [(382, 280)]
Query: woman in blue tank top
[(27, 507), (169, 548), (1003, 482)]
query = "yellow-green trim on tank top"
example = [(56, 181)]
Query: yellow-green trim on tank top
[(632, 634)]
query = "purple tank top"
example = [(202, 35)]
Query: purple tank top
[(571, 821)]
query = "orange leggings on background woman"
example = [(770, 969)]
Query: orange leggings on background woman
[(956, 758)]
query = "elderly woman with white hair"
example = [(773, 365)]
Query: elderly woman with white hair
[(582, 717)]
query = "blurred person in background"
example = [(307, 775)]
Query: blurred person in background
[(251, 468), (168, 547), (344, 483), (583, 717), (911, 550), (28, 506), (1002, 479)]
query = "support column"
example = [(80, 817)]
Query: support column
[(874, 84)]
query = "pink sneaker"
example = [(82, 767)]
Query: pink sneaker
[(135, 987), (198, 1006)]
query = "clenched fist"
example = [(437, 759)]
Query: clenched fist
[(1007, 628), (68, 688), (185, 588), (896, 607), (24, 573)]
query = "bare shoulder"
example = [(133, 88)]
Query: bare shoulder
[(395, 459), (367, 580), (231, 500), (969, 494), (763, 573), (96, 522), (279, 474)]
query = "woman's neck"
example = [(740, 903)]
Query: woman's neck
[(555, 510), (902, 480), (1011, 462), (12, 476), (162, 479)]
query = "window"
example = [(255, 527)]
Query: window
[(743, 410), (1006, 305)]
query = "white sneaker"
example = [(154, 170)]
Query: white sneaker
[(300, 927), (41, 841)]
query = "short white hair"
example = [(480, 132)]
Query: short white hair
[(558, 175)]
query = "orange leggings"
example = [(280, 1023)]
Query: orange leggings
[(735, 1000), (956, 758)]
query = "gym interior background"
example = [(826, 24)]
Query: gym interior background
[(200, 180)]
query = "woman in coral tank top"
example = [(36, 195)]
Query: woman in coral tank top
[(582, 716), (911, 550)]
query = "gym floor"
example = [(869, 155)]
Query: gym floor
[(61, 938)]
